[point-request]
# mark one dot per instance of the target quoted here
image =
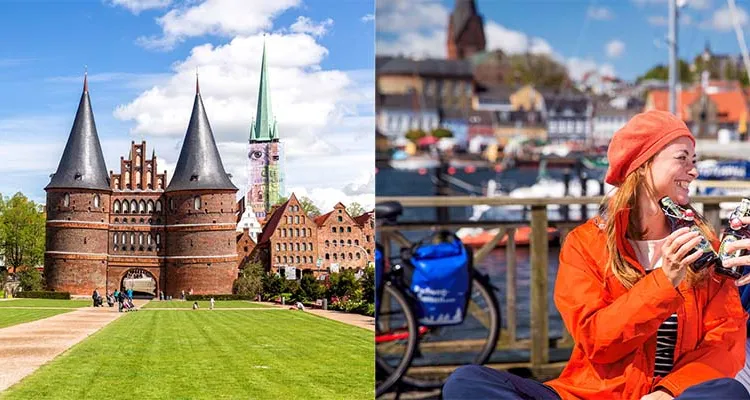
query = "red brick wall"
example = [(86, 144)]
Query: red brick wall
[(202, 257), (285, 239), (346, 230), (77, 275)]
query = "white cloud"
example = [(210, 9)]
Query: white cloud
[(615, 48), (514, 42), (721, 20), (368, 18), (217, 17), (397, 16), (322, 114), (660, 20), (414, 44), (136, 6), (306, 25), (600, 13), (578, 67), (699, 4)]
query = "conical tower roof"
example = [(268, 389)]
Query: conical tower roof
[(82, 163), (463, 11), (264, 127), (199, 166)]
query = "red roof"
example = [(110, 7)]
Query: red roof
[(730, 105), (273, 222), (362, 219), (320, 220)]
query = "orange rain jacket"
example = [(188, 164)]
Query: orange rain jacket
[(615, 328)]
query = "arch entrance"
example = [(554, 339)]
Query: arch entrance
[(141, 282)]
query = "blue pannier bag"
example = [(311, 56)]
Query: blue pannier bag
[(441, 281)]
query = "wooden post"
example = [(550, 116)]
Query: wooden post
[(510, 283), (539, 311)]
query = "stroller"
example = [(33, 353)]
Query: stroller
[(128, 305)]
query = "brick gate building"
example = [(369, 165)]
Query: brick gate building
[(102, 228)]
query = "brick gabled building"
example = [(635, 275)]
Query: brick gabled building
[(108, 231), (465, 31), (334, 240)]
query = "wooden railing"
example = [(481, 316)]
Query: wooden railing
[(539, 342)]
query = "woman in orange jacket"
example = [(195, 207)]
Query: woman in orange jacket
[(645, 325)]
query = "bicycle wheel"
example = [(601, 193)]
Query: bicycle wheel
[(395, 338), (471, 342)]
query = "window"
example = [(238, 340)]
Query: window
[(349, 242), (142, 206), (140, 239), (302, 218), (158, 205), (296, 246), (297, 259), (171, 204), (359, 256), (333, 229), (278, 259), (66, 200), (283, 246), (304, 231), (351, 257), (341, 229), (368, 238), (296, 232), (150, 207), (348, 228), (197, 202), (127, 179), (158, 237), (97, 201), (328, 256), (335, 257), (133, 206), (283, 232), (278, 246), (356, 242), (132, 238), (115, 238), (148, 239), (309, 246), (309, 232), (138, 179), (296, 219), (284, 259), (116, 206), (124, 238), (328, 243), (304, 246), (341, 219)]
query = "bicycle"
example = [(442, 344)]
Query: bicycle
[(481, 320), (395, 325)]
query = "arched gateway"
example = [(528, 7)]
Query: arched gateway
[(141, 282)]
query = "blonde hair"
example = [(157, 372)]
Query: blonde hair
[(626, 197)]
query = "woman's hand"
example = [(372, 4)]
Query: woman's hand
[(674, 251), (658, 395), (743, 244)]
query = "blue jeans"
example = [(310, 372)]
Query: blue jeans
[(478, 382)]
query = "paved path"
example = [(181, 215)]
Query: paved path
[(25, 347), (358, 320)]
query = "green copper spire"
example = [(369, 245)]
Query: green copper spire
[(264, 127)]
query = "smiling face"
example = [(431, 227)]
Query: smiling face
[(672, 170)]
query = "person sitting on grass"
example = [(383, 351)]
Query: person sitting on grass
[(195, 305)]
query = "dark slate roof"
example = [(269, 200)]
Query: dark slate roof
[(461, 15), (428, 67), (408, 101), (82, 163), (558, 103), (199, 166)]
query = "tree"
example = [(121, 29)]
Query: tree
[(441, 133), (29, 279), (368, 284), (342, 284), (250, 282), (309, 207), (273, 285), (661, 72), (355, 209), (281, 201), (415, 134), (22, 232), (310, 287)]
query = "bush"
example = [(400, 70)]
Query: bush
[(43, 295), (30, 279), (353, 306), (250, 282), (217, 297), (310, 288), (273, 286)]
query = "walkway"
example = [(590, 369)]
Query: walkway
[(25, 347), (358, 320)]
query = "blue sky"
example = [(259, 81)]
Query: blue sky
[(576, 32), (142, 56)]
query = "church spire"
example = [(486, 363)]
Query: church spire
[(82, 164), (199, 165), (264, 128)]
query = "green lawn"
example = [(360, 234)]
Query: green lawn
[(11, 316), (201, 355), (45, 303), (205, 304)]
